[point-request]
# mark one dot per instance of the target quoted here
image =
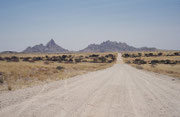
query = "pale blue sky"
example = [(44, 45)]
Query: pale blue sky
[(74, 24)]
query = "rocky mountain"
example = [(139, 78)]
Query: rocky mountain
[(107, 46), (9, 52), (110, 46), (50, 47)]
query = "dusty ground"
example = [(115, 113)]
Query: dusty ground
[(119, 91)]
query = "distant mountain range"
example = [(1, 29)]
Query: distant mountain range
[(113, 46), (50, 47), (107, 46)]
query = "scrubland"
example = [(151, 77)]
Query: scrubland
[(25, 70), (164, 62)]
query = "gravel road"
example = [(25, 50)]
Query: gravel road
[(119, 91)]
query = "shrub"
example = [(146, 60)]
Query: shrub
[(154, 62), (146, 55), (64, 56), (107, 56), (139, 61), (167, 62), (110, 61), (77, 60), (37, 58), (8, 59), (151, 54), (95, 60), (1, 78), (94, 55), (70, 60), (139, 54), (9, 88), (176, 54), (102, 59), (70, 56), (59, 67), (55, 58), (126, 55), (160, 54), (133, 55), (110, 55), (47, 56), (139, 67), (14, 59)]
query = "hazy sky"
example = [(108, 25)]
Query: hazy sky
[(74, 24)]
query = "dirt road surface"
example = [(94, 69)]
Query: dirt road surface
[(119, 91)]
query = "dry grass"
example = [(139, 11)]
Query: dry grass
[(25, 74), (167, 69)]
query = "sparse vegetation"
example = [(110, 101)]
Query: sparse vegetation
[(1, 78), (165, 62), (24, 70), (9, 88), (59, 68)]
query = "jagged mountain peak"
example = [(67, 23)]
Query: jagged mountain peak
[(108, 42), (51, 43), (51, 47)]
